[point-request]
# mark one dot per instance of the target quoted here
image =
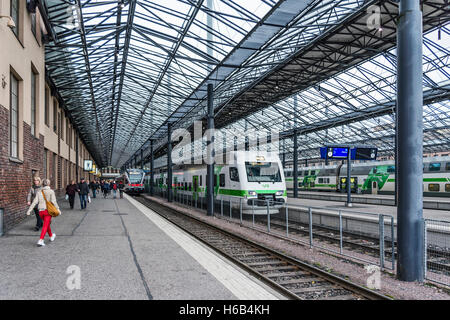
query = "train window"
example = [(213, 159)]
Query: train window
[(447, 187), (201, 182), (300, 173), (222, 180), (433, 187), (215, 180), (313, 172), (435, 166), (190, 186), (185, 186), (447, 166), (234, 174), (391, 169), (320, 180)]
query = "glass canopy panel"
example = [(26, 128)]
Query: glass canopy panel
[(114, 60)]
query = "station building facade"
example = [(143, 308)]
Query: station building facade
[(37, 137)]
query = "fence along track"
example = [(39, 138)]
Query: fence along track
[(287, 275)]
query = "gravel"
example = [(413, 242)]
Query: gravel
[(352, 270)]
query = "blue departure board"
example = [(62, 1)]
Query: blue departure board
[(337, 153)]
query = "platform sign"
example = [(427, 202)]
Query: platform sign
[(365, 154), (334, 152), (356, 152), (93, 169), (88, 165)]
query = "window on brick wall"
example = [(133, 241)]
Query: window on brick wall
[(67, 131), (55, 116), (45, 164), (15, 7), (55, 166), (61, 125), (14, 117), (46, 108), (70, 137), (33, 24), (33, 102)]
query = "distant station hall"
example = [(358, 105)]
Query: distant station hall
[(224, 150)]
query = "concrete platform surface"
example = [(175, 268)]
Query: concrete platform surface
[(117, 249)]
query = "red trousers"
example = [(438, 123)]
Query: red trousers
[(47, 220)]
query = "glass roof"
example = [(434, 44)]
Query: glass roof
[(127, 68), (363, 87), (124, 66)]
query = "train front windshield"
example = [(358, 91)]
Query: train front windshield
[(263, 172), (135, 177)]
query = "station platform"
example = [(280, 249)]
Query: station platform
[(117, 249), (438, 203)]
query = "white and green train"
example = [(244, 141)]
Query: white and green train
[(375, 177), (253, 181)]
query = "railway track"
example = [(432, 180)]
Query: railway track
[(437, 260), (291, 277)]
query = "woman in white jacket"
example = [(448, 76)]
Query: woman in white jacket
[(43, 213)]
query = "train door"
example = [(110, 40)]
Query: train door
[(374, 187), (195, 187)]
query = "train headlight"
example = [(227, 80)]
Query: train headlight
[(252, 193), (279, 193)]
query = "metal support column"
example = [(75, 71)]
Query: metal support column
[(295, 177), (152, 174), (396, 159), (169, 162), (210, 154), (349, 178), (410, 233), (142, 159), (246, 142)]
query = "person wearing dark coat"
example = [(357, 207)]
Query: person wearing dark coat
[(94, 186), (105, 189), (121, 186), (83, 191), (71, 190)]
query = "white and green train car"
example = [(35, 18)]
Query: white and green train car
[(374, 177), (252, 180)]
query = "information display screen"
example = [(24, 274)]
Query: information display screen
[(337, 153), (366, 153)]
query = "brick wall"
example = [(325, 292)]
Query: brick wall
[(16, 178)]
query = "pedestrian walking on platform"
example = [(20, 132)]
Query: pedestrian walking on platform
[(34, 190), (105, 189), (113, 187), (71, 190), (121, 186), (83, 191), (94, 186), (41, 198)]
